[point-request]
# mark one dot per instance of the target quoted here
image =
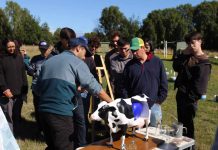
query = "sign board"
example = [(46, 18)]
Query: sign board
[(181, 45)]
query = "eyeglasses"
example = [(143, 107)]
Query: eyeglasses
[(94, 46), (124, 49)]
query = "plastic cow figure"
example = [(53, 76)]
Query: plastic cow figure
[(123, 113)]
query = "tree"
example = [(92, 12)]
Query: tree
[(132, 27), (45, 33), (56, 35), (90, 35), (206, 21), (24, 26), (111, 20), (14, 13), (31, 30), (186, 11), (5, 30)]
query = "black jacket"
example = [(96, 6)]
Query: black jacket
[(12, 74), (193, 74)]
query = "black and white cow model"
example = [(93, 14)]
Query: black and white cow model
[(123, 113)]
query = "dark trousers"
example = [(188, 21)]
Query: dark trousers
[(186, 110), (86, 105), (79, 123), (17, 108), (58, 131), (12, 111), (36, 104)]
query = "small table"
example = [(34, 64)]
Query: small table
[(172, 142), (138, 139)]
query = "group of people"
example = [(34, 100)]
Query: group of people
[(65, 77)]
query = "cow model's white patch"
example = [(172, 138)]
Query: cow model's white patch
[(118, 120)]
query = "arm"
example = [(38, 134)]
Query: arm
[(31, 71), (126, 83), (3, 86), (200, 84), (179, 59), (104, 96), (24, 77), (88, 81), (163, 88)]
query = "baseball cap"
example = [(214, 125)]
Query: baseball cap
[(82, 41), (43, 45), (136, 44)]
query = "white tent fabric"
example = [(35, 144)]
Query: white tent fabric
[(7, 140)]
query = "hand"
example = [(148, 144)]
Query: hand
[(8, 93), (187, 51), (80, 89), (23, 51)]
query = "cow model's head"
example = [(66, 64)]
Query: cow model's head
[(102, 111)]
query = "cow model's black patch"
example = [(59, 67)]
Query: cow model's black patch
[(123, 128), (126, 109), (116, 120), (142, 95), (113, 125), (103, 112)]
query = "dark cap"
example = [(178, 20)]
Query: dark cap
[(43, 45), (81, 41)]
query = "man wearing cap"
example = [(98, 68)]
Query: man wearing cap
[(34, 70), (145, 74), (57, 86)]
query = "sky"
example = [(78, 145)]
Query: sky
[(83, 15)]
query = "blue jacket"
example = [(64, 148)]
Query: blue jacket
[(57, 83), (148, 78)]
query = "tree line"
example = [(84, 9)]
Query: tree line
[(170, 24)]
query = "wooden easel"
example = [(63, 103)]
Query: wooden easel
[(99, 69)]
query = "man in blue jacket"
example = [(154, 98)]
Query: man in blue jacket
[(57, 85), (145, 74)]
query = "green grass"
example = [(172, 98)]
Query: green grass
[(206, 120)]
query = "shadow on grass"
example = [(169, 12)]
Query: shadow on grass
[(27, 129), (212, 100)]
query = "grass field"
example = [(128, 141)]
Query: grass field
[(206, 121)]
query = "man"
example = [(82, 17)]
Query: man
[(112, 53), (109, 55), (57, 86), (35, 68), (117, 66), (145, 74), (193, 69)]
